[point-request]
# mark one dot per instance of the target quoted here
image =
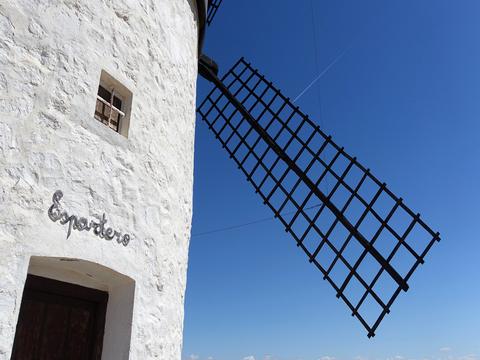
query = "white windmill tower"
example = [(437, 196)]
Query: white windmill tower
[(97, 111)]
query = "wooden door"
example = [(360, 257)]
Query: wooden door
[(59, 321)]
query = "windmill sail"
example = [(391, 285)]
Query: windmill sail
[(212, 10), (365, 241)]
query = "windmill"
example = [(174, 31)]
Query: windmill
[(364, 240)]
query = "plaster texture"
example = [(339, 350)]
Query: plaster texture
[(51, 55)]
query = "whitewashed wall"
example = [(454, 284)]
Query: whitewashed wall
[(51, 56)]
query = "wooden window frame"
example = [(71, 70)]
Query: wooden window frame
[(112, 108), (113, 104)]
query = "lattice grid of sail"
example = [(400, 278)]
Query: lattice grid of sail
[(212, 10), (367, 263)]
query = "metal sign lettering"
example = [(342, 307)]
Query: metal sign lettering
[(56, 213)]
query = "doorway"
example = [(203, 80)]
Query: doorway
[(59, 321)]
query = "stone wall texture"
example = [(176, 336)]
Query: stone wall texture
[(51, 55)]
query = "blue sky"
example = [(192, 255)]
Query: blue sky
[(404, 97)]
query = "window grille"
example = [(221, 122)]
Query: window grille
[(107, 108), (365, 241)]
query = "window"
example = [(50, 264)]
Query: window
[(113, 104), (108, 108)]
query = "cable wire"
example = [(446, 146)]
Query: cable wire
[(238, 226)]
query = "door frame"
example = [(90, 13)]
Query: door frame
[(48, 290)]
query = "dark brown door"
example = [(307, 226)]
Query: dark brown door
[(59, 321)]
